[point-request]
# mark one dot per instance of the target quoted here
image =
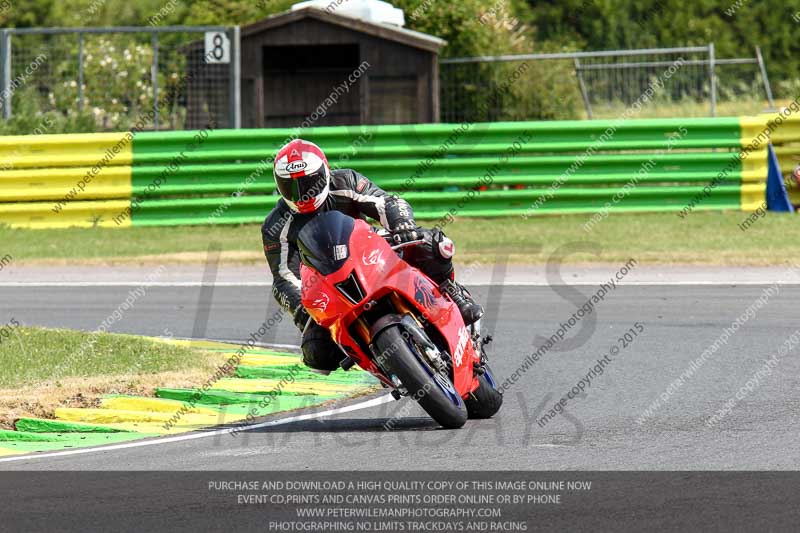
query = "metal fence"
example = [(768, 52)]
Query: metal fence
[(688, 81), (187, 77), (104, 79)]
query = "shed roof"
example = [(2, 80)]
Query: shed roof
[(384, 31)]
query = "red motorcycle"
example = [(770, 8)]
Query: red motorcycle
[(391, 320)]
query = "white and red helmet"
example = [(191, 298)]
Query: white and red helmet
[(302, 175)]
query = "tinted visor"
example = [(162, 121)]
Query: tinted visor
[(304, 188)]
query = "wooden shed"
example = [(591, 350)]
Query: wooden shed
[(319, 68)]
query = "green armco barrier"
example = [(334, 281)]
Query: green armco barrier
[(225, 176), (197, 178), (544, 170), (437, 205), (399, 174), (425, 139)]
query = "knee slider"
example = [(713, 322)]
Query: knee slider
[(319, 350)]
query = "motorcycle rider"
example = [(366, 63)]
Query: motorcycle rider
[(308, 186)]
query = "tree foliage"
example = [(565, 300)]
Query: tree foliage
[(590, 24), (487, 27), (774, 25)]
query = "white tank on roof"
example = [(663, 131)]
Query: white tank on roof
[(368, 10)]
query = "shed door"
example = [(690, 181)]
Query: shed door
[(300, 85)]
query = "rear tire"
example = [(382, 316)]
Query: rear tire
[(486, 400), (445, 407)]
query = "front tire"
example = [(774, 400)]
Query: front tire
[(486, 400), (434, 392)]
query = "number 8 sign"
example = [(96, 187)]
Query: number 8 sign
[(218, 47)]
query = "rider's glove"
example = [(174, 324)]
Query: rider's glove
[(301, 318), (405, 232)]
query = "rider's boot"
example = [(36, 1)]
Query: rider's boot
[(470, 310)]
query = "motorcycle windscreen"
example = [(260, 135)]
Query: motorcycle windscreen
[(324, 241)]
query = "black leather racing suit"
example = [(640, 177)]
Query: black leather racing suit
[(356, 196)]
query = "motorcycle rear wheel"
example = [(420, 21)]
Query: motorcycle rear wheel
[(433, 391)]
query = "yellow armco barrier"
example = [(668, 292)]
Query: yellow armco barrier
[(50, 183), (785, 137), (754, 134), (786, 140), (753, 196), (787, 132), (754, 182), (39, 215), (751, 128), (67, 174), (75, 150)]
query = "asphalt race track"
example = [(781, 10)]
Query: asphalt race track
[(602, 430)]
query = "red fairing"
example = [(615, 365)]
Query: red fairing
[(381, 271)]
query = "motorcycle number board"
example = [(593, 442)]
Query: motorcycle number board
[(218, 47)]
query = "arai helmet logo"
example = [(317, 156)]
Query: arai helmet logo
[(296, 166), (463, 339), (375, 257), (321, 302)]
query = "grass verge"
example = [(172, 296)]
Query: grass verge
[(687, 108), (710, 238), (48, 368)]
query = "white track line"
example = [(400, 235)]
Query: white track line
[(205, 434), (238, 343)]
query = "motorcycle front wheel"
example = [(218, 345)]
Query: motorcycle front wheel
[(433, 391)]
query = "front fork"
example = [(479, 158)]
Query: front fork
[(480, 343)]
